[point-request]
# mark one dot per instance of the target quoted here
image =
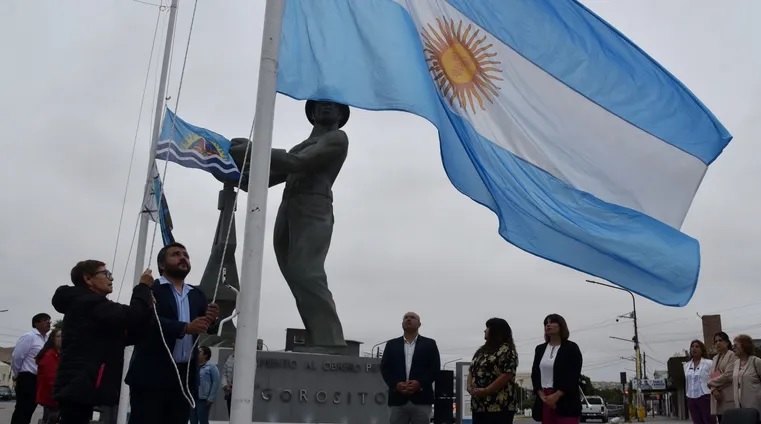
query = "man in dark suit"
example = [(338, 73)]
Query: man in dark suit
[(409, 367), (156, 394)]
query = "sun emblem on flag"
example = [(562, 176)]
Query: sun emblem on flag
[(461, 64)]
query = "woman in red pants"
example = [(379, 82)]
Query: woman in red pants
[(555, 375)]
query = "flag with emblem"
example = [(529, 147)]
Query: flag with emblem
[(157, 208), (586, 149), (195, 147)]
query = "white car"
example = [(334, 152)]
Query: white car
[(593, 408)]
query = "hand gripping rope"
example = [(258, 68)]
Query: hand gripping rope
[(184, 385)]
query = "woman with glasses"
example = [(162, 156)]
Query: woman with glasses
[(95, 332), (720, 383)]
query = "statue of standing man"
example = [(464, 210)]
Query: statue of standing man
[(304, 223)]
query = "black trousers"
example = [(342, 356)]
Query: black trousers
[(501, 417), (26, 398), (75, 413), (165, 405)]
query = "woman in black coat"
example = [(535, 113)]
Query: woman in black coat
[(95, 332), (555, 375)]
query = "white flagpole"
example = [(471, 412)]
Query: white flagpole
[(244, 372), (142, 237)]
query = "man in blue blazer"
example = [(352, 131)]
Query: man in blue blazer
[(409, 367), (156, 394)]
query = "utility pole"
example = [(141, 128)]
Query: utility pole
[(637, 351), (644, 365)]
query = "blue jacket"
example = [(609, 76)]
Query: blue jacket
[(208, 382)]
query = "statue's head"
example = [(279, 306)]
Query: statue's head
[(327, 113)]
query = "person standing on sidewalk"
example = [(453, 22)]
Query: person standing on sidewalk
[(697, 372), (555, 375), (208, 386), (409, 367), (24, 368), (227, 378)]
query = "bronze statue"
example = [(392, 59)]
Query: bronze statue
[(304, 223)]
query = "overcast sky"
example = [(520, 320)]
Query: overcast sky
[(404, 239)]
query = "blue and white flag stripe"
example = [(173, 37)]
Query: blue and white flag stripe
[(583, 166), (195, 147), (156, 206)]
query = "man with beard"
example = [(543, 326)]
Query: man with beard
[(156, 394)]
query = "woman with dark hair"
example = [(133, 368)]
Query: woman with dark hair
[(697, 372), (95, 332), (746, 375), (47, 366), (491, 377), (555, 375), (720, 383)]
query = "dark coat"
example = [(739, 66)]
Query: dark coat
[(151, 366), (426, 363), (95, 332), (566, 376)]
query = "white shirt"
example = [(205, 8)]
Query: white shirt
[(409, 351), (547, 366), (696, 378), (27, 348)]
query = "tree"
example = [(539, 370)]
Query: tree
[(611, 395), (58, 324), (586, 385)]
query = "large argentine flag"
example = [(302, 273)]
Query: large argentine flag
[(587, 150)]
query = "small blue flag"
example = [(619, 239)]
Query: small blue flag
[(157, 208), (195, 147)]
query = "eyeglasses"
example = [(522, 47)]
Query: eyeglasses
[(106, 272)]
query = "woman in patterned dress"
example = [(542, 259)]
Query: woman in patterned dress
[(491, 378)]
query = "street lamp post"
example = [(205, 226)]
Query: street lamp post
[(637, 352), (377, 352), (443, 367)]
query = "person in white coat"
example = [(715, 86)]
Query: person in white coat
[(697, 372)]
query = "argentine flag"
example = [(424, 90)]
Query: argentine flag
[(586, 149)]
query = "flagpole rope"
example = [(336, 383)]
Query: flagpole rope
[(134, 145), (184, 386)]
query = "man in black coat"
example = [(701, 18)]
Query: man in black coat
[(157, 395), (95, 332), (409, 367)]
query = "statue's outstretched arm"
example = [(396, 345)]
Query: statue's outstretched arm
[(316, 156), (276, 179), (238, 152)]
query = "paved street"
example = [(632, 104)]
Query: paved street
[(6, 410)]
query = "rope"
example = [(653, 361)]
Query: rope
[(185, 388), (134, 144)]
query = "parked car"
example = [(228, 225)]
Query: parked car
[(6, 393), (593, 408), (615, 410)]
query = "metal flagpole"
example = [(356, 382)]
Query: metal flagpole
[(244, 372), (142, 237)]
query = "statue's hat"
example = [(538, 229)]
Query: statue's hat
[(309, 109)]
